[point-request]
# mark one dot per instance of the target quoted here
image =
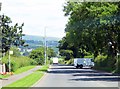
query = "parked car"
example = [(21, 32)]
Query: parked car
[(83, 62)]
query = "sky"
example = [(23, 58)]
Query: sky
[(37, 15)]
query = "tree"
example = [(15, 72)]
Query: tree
[(68, 54), (38, 55), (92, 23), (66, 44), (16, 51), (94, 28), (50, 53), (11, 35)]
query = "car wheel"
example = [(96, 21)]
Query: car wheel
[(81, 66)]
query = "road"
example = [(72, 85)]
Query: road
[(68, 76)]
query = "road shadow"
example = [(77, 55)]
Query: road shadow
[(85, 74), (64, 68), (96, 74), (109, 77), (113, 79), (65, 64), (101, 76), (68, 70)]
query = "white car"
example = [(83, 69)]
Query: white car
[(83, 62)]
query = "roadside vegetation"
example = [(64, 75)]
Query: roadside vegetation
[(92, 31), (11, 41), (21, 64), (38, 55), (18, 62), (11, 35), (29, 80), (18, 71), (23, 69)]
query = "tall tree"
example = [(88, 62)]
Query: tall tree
[(10, 35), (91, 26), (38, 55)]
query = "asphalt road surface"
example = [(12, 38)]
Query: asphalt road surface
[(68, 76)]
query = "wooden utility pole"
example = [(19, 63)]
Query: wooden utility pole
[(45, 44), (0, 6)]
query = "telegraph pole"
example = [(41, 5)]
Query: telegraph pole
[(9, 62), (0, 6), (45, 44)]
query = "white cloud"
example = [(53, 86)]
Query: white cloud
[(36, 14)]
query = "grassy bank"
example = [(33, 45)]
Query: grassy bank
[(107, 64), (105, 69), (0, 76), (18, 71), (18, 62), (23, 69), (30, 79)]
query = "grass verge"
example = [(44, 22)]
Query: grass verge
[(23, 69), (5, 76), (44, 68), (18, 71), (30, 79), (0, 76), (105, 69)]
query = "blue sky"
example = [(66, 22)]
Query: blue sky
[(36, 15)]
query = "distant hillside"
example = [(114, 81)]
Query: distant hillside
[(38, 41), (40, 38)]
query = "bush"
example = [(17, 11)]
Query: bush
[(109, 64), (17, 62), (68, 54), (38, 55), (16, 51), (90, 56), (118, 66), (101, 61), (51, 62), (61, 61), (71, 61)]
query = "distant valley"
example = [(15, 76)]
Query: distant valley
[(40, 38), (38, 41)]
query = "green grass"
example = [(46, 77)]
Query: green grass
[(60, 59), (18, 71), (23, 69), (106, 69), (30, 79), (5, 76), (44, 68), (0, 76)]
